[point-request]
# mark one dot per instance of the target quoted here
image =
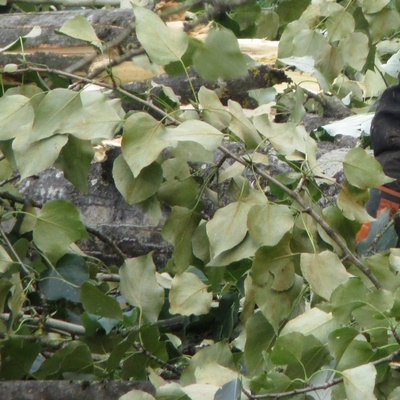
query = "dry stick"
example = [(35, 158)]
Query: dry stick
[(295, 196), (325, 386), (88, 59), (323, 224)]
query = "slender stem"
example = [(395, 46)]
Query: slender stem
[(320, 221)]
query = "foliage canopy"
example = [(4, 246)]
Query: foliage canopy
[(271, 296)]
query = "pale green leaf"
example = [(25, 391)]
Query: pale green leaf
[(214, 113), (245, 249), (94, 301), (351, 201), (142, 141), (136, 395), (217, 357), (268, 223), (277, 305), (242, 127), (189, 295), (362, 170), (340, 24), (222, 47), (86, 115), (355, 49), (79, 27), (373, 6), (178, 230), (34, 158), (394, 260), (359, 382), (140, 188), (288, 349), (286, 42), (202, 391), (383, 23), (309, 42), (273, 266), (330, 66), (139, 286), (228, 227), (312, 322), (16, 116), (18, 43), (324, 272), (392, 66), (162, 44), (195, 131), (58, 225)]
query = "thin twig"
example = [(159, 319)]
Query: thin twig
[(320, 221), (105, 239), (113, 43), (310, 388)]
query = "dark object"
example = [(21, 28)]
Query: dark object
[(69, 390), (385, 134), (385, 140)]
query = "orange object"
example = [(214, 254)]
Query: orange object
[(390, 199)]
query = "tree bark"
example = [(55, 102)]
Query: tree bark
[(69, 390)]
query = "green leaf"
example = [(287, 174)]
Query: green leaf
[(64, 281), (213, 112), (245, 249), (260, 337), (75, 159), (87, 115), (222, 47), (195, 131), (373, 6), (74, 357), (96, 302), (78, 27), (288, 349), (139, 286), (178, 229), (324, 272), (268, 223), (351, 201), (140, 188), (34, 158), (16, 116), (136, 395), (340, 24), (58, 225), (142, 141), (179, 193), (277, 305), (347, 297), (359, 382), (362, 170), (17, 357), (228, 227), (312, 322), (212, 365), (355, 49), (189, 295), (162, 44), (242, 127), (273, 266)]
